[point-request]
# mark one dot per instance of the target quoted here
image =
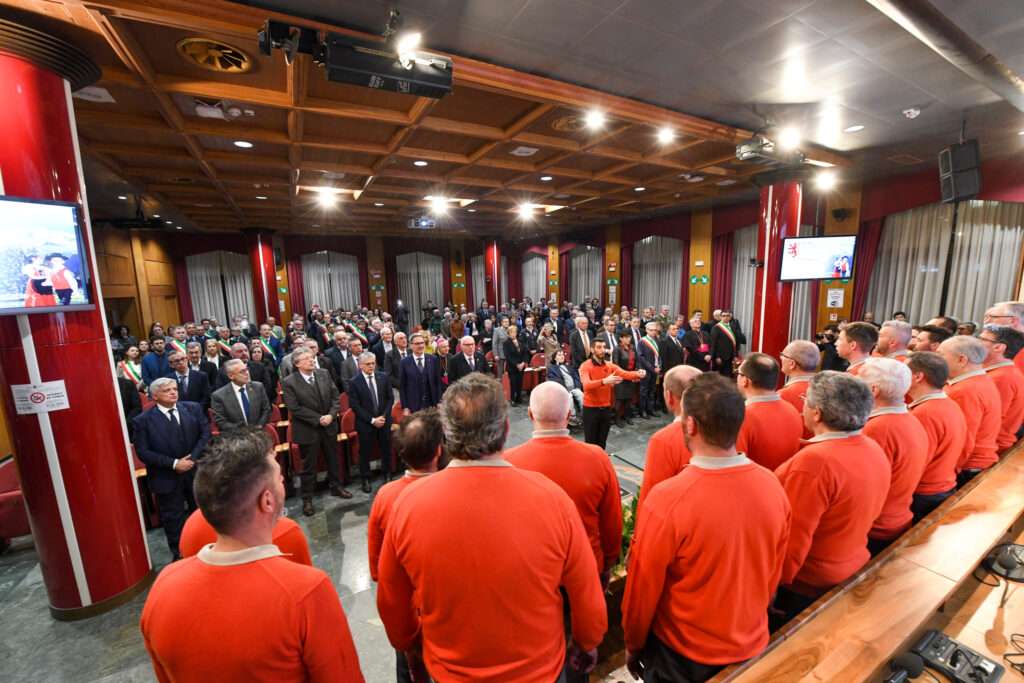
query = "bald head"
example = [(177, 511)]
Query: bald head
[(676, 382), (550, 405)]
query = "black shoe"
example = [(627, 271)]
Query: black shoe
[(307, 507), (341, 493), (620, 424), (629, 422), (366, 485)]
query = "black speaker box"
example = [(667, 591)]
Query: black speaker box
[(959, 173)]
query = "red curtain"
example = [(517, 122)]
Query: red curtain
[(184, 293), (721, 272), (515, 276), (296, 292), (626, 276), (864, 263)]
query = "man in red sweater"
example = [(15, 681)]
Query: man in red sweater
[(287, 536), (837, 486), (419, 445), (1003, 344), (701, 573), (976, 394), (667, 453), (598, 377), (904, 441), (799, 361), (1008, 313), (239, 610), (475, 558), (893, 338), (772, 428), (584, 471), (855, 343), (943, 422)]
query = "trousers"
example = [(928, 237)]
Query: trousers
[(597, 422), (310, 452)]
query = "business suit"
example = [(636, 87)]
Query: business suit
[(382, 353), (420, 389), (306, 404), (516, 352), (196, 389), (208, 369), (337, 357), (459, 367), (131, 404), (393, 365), (577, 347), (723, 350), (227, 410), (671, 353), (649, 384), (362, 402), (158, 443), (610, 338), (258, 372), (347, 370)]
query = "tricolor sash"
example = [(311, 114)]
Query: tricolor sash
[(652, 345), (267, 348), (728, 332), (179, 345), (224, 346), (130, 370)]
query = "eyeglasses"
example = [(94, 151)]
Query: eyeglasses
[(989, 316), (986, 339)]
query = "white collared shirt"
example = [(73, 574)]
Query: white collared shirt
[(966, 375), (207, 555), (888, 410), (306, 378), (498, 462), (469, 360), (707, 462), (238, 397), (167, 412), (929, 397), (213, 359), (762, 398)]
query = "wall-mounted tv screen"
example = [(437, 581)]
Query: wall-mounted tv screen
[(42, 262), (817, 258)]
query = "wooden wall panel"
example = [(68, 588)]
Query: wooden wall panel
[(375, 270), (612, 265), (553, 273), (159, 273), (459, 271), (700, 252), (136, 273), (843, 198)]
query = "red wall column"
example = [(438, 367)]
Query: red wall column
[(492, 274), (779, 218), (264, 275), (76, 469)]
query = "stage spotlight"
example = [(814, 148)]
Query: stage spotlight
[(825, 180), (594, 119)]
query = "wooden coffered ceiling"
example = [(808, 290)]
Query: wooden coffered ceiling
[(307, 132)]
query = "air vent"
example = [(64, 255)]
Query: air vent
[(213, 55), (523, 151), (569, 124), (905, 159)]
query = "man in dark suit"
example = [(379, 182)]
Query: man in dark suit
[(610, 335), (193, 386), (671, 349), (650, 352), (338, 353), (131, 404), (393, 361), (371, 398), (258, 372), (470, 360), (419, 377), (241, 402), (579, 341), (170, 437), (383, 347), (349, 368), (312, 400), (725, 344)]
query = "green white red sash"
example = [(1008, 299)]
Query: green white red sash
[(652, 345), (224, 346), (130, 370), (179, 345), (728, 332), (266, 347)]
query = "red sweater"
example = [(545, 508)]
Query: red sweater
[(269, 619), (597, 394), (667, 455), (944, 423), (473, 560), (380, 512), (837, 488), (979, 400), (771, 432), (905, 444), (700, 575), (1010, 384), (794, 393), (288, 537), (585, 472)]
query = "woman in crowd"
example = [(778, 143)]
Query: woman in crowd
[(696, 343), (120, 339), (517, 357), (547, 343), (130, 367), (626, 357), (257, 355), (143, 349), (486, 340), (155, 330)]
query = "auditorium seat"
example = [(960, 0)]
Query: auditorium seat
[(150, 512), (396, 415), (348, 427), (13, 517), (489, 357), (342, 403), (534, 374)]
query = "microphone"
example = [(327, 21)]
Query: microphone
[(905, 667), (1008, 562)]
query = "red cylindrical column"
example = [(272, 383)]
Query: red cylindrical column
[(264, 274), (76, 469), (779, 218), (492, 273)]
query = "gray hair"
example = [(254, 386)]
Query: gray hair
[(159, 383), (193, 345), (651, 327), (474, 414), (971, 347), (365, 356), (299, 353), (890, 376), (1014, 308), (803, 353), (901, 329), (232, 365), (844, 400)]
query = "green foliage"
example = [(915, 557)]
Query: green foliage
[(628, 526)]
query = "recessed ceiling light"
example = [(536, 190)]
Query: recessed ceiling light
[(825, 180), (439, 205), (561, 195), (471, 210), (326, 197), (178, 227), (168, 222), (789, 138), (1020, 132), (727, 181), (526, 211), (912, 112), (378, 203), (594, 119), (156, 215), (244, 144), (419, 162), (666, 135), (122, 197), (856, 128), (261, 196), (524, 151), (546, 179), (639, 189)]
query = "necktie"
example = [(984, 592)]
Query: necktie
[(373, 392), (586, 342), (419, 362), (310, 380), (172, 414), (245, 403), (182, 383)]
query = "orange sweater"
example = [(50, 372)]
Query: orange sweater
[(585, 472), (794, 393), (855, 368), (268, 619), (701, 576), (771, 432), (837, 488), (667, 455), (597, 394), (473, 560), (1010, 384), (380, 512), (979, 400), (944, 423), (288, 536), (1018, 362), (905, 444)]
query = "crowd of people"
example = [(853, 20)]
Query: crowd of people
[(491, 563)]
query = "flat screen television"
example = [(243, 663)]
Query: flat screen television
[(817, 258), (43, 268)]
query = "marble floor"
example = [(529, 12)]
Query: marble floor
[(108, 648)]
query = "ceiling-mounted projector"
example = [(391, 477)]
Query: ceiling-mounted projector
[(372, 65), (761, 150)]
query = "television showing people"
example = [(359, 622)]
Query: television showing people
[(818, 258), (42, 265)]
